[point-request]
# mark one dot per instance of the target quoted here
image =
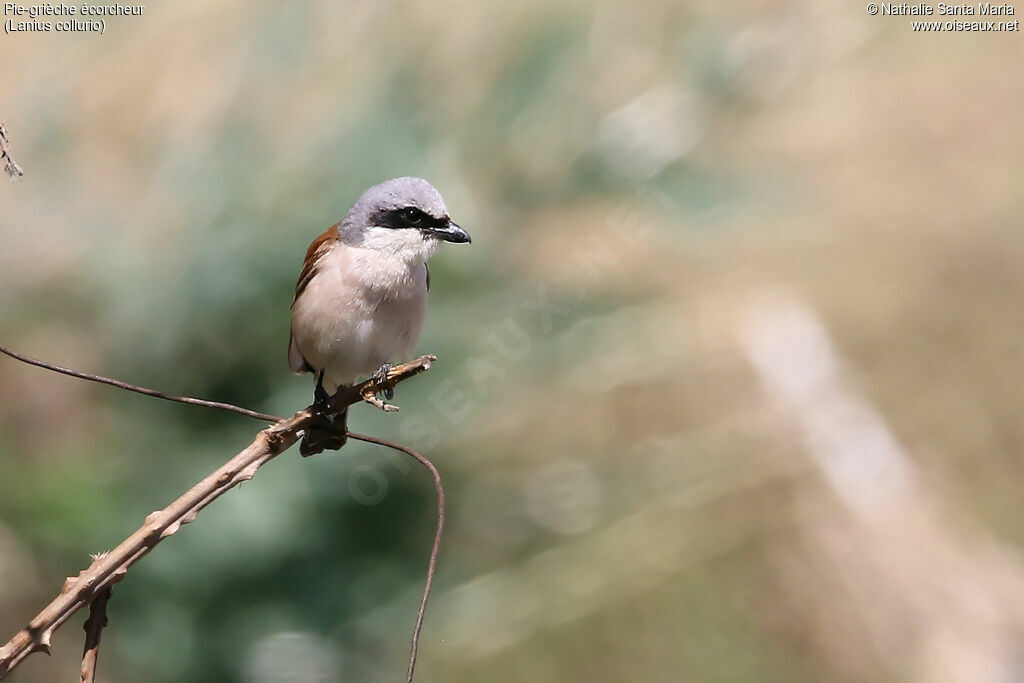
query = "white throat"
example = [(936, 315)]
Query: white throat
[(407, 246), (391, 262)]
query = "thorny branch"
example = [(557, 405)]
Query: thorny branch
[(11, 166), (109, 568)]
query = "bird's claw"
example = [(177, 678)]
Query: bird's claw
[(378, 386), (380, 377)]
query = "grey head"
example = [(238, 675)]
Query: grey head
[(409, 206)]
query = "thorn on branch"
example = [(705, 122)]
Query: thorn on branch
[(375, 401)]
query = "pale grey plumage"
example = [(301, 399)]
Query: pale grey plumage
[(392, 194)]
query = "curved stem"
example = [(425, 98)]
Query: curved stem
[(431, 567), (137, 389)]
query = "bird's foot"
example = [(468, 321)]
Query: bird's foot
[(370, 395), (380, 377)]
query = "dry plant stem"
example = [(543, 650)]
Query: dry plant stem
[(93, 630), (110, 568), (432, 565), (11, 166), (137, 389)]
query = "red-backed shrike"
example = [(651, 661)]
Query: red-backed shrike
[(362, 292)]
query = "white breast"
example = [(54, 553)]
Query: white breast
[(363, 308)]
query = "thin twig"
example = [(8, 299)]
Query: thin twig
[(139, 390), (108, 569), (93, 630), (10, 165), (432, 565)]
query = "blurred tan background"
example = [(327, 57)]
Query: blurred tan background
[(730, 379)]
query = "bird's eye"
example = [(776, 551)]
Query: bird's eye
[(413, 216)]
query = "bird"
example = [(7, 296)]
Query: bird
[(361, 297)]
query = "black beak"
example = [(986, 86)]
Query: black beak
[(450, 233)]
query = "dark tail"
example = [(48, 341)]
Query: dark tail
[(325, 435)]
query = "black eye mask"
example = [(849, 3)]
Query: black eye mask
[(408, 217)]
